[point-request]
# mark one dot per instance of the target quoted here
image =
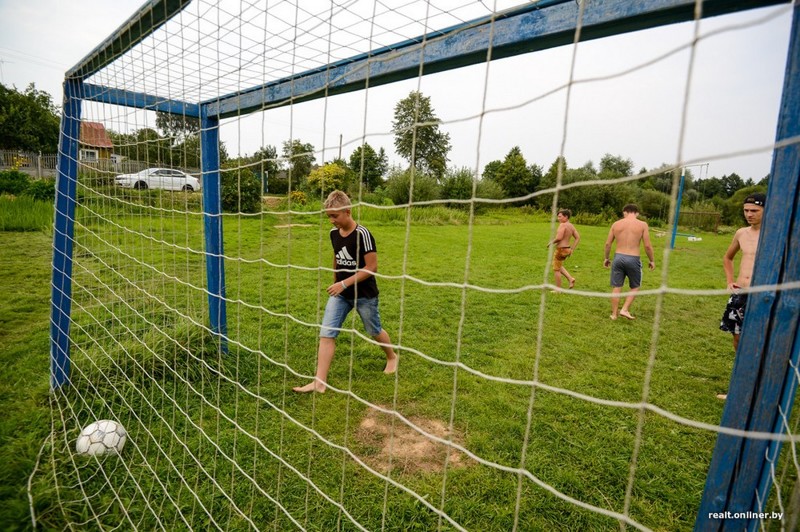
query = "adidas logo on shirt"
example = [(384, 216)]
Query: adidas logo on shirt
[(343, 258)]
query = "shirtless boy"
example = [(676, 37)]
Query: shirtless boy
[(746, 241), (629, 233), (566, 231), (355, 261)]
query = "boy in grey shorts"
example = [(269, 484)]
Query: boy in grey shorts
[(629, 233), (626, 266)]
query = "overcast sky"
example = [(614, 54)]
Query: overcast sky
[(733, 101)]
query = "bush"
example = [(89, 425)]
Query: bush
[(241, 191), (376, 197), (298, 197), (420, 215), (457, 184), (488, 189), (600, 219), (325, 179), (95, 179), (42, 190), (277, 185), (654, 205), (13, 182), (398, 187)]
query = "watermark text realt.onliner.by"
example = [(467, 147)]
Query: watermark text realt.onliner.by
[(745, 515)]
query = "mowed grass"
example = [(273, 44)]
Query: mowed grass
[(219, 440)]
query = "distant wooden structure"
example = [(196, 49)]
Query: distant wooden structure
[(95, 143)]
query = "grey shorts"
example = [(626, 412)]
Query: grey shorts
[(623, 266)]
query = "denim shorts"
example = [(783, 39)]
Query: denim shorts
[(338, 308)]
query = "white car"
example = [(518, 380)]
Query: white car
[(165, 178)]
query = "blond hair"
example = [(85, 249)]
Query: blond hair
[(337, 200)]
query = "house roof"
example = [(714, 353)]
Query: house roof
[(94, 134)]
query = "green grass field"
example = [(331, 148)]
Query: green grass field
[(24, 213), (219, 440)]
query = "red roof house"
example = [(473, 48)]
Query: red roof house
[(95, 142)]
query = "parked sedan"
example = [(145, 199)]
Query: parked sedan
[(165, 178)]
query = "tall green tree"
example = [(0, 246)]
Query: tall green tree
[(300, 159), (613, 166), (266, 164), (369, 164), (177, 127), (490, 170), (149, 146), (417, 136), (515, 176), (550, 178), (28, 120), (268, 156), (269, 167), (660, 180), (457, 183), (187, 153), (350, 177), (731, 183)]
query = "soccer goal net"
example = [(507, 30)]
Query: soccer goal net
[(193, 260)]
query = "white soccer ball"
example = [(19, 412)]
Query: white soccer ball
[(102, 437)]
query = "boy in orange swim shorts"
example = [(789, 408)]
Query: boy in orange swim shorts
[(566, 232)]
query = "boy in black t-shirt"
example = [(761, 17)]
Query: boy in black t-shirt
[(355, 260)]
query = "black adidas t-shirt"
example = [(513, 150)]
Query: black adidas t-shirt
[(348, 252)]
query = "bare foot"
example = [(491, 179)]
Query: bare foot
[(572, 283), (613, 316), (722, 396), (391, 365), (313, 386), (626, 314)]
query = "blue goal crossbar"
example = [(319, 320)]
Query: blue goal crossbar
[(763, 381)]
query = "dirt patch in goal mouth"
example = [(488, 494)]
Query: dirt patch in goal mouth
[(392, 444)]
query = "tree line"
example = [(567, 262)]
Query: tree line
[(29, 121)]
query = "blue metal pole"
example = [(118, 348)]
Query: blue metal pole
[(785, 331), (64, 229), (212, 218), (781, 421), (739, 476), (677, 210)]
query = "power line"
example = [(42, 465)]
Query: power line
[(41, 61)]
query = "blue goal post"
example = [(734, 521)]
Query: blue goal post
[(763, 381)]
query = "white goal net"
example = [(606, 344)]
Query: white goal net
[(516, 405)]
